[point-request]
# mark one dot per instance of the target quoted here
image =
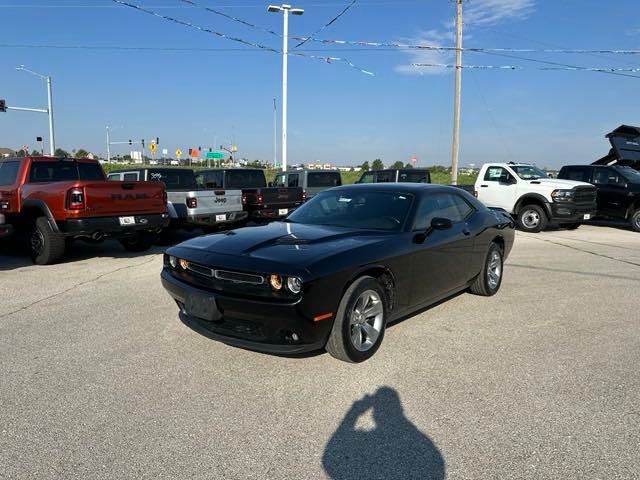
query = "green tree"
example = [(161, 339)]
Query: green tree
[(397, 165), (377, 165), (22, 153), (36, 153), (365, 166), (408, 165), (81, 153), (61, 153)]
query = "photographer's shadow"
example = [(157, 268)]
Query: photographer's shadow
[(393, 449)]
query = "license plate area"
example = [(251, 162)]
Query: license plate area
[(202, 306), (124, 221), (221, 218), (283, 211), (587, 216)]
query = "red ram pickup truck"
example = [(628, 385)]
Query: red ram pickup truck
[(54, 200)]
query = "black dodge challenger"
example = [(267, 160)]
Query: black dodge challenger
[(337, 270)]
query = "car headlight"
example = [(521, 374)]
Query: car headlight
[(276, 282), (562, 194), (173, 261), (294, 284)]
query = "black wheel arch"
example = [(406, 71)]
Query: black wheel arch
[(34, 208), (381, 273), (535, 199)]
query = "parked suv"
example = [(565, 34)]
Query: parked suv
[(53, 200), (533, 198), (311, 181), (403, 175), (262, 203), (618, 190), (190, 204)]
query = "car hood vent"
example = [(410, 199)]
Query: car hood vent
[(289, 240)]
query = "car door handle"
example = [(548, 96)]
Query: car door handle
[(484, 186)]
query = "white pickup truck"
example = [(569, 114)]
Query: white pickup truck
[(190, 206), (534, 199)]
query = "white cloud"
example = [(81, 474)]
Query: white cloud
[(475, 13)]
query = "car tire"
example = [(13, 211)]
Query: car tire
[(488, 281), (349, 323), (635, 221), (570, 226), (139, 242), (532, 218), (46, 246)]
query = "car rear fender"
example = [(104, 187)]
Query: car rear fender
[(34, 208)]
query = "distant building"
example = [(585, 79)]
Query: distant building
[(6, 152)]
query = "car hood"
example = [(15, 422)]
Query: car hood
[(557, 183), (285, 244)]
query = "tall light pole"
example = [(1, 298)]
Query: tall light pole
[(285, 9), (275, 134), (52, 139), (108, 146), (456, 96)]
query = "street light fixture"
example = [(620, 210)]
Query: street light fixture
[(52, 140), (285, 9)]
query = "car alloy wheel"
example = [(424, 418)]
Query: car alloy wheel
[(531, 219), (366, 320), (494, 270), (37, 242)]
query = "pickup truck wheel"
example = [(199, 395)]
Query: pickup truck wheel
[(532, 219), (46, 246), (488, 281), (635, 221), (359, 325), (140, 242)]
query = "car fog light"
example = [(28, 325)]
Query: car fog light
[(173, 261), (276, 282), (183, 263), (294, 284)]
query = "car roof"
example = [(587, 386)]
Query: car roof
[(399, 187)]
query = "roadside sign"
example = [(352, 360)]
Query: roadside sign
[(152, 147), (215, 155), (178, 153), (194, 152), (165, 151)]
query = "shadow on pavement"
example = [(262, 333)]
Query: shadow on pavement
[(392, 449)]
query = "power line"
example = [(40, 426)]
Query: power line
[(519, 67), (328, 24)]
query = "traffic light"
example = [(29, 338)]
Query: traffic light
[(199, 149), (129, 141), (3, 105), (209, 149), (142, 142), (157, 140), (38, 139)]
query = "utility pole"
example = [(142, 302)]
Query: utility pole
[(275, 134), (456, 96), (108, 146)]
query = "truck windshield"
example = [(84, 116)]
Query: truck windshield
[(629, 173), (365, 210), (63, 171), (8, 172), (529, 172), (238, 179)]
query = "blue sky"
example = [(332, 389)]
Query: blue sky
[(336, 114)]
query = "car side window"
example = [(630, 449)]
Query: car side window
[(130, 177), (385, 177), (497, 174), (368, 178), (114, 177), (442, 205), (292, 181), (604, 176), (579, 174)]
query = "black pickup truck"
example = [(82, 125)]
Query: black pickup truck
[(618, 190), (262, 203)]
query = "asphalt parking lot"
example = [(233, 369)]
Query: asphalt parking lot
[(100, 379)]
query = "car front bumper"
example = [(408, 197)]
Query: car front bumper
[(6, 230), (256, 325), (112, 226), (567, 212)]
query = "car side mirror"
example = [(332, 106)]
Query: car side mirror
[(441, 224)]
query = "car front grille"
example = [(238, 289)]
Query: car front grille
[(585, 195)]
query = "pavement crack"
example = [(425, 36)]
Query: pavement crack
[(601, 255), (86, 282)]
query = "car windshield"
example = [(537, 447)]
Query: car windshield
[(8, 172), (529, 172), (356, 209), (630, 174)]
